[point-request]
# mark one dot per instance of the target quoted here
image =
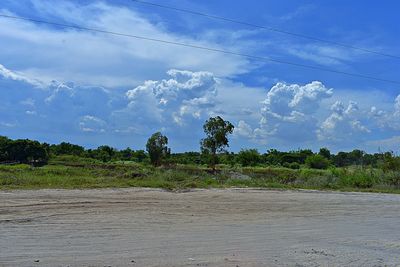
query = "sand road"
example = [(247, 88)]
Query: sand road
[(234, 227)]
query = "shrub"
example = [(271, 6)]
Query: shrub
[(360, 178), (391, 163), (317, 162), (363, 181), (393, 178), (248, 157), (292, 165)]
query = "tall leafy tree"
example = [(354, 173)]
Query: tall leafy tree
[(65, 148), (139, 155), (325, 152), (4, 144), (126, 154), (216, 130), (27, 151), (104, 153), (157, 148)]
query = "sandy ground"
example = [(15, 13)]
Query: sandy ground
[(236, 227)]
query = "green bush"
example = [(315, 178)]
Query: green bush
[(317, 162), (391, 163), (248, 157), (360, 178), (363, 181), (393, 178), (292, 165)]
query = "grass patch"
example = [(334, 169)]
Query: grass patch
[(72, 173)]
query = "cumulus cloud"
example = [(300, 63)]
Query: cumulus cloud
[(343, 123), (244, 130), (71, 82), (306, 116), (288, 110), (391, 120), (184, 97), (286, 116)]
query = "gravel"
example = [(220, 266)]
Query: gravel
[(231, 227)]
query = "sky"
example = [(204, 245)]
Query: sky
[(89, 88)]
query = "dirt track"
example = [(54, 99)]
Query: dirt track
[(142, 227)]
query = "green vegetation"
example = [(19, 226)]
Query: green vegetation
[(317, 162), (26, 164), (248, 157), (157, 148), (216, 130), (74, 172)]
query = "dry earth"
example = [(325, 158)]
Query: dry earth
[(235, 227)]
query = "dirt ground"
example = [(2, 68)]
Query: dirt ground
[(233, 227)]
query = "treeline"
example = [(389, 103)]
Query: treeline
[(30, 151), (36, 153), (23, 151), (295, 159)]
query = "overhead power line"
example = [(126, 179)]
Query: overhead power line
[(257, 58), (298, 35)]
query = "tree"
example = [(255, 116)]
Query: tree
[(272, 157), (157, 148), (341, 159), (216, 130), (391, 163), (126, 154), (248, 157), (325, 153), (65, 148), (303, 154), (4, 143), (27, 151), (139, 155), (356, 157), (103, 153)]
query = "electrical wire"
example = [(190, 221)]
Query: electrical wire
[(253, 57), (298, 35)]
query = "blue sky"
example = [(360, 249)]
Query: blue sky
[(92, 89)]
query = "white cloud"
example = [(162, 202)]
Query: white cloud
[(397, 105), (90, 123), (287, 116), (13, 75), (314, 55), (84, 76), (391, 120), (8, 124), (298, 12), (100, 59), (288, 110), (28, 102), (301, 115), (244, 130), (325, 54), (186, 96), (31, 112), (343, 124)]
